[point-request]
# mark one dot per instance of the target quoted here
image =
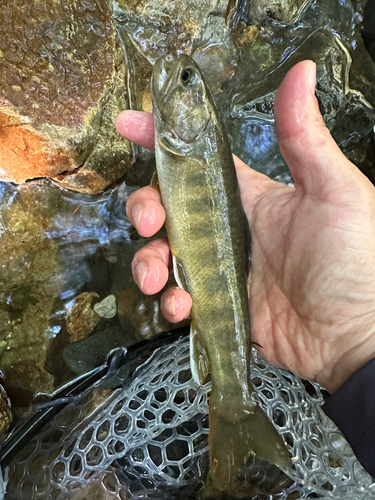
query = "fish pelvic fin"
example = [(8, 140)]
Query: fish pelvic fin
[(233, 441), (155, 182), (178, 272), (199, 363)]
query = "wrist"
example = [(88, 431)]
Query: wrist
[(346, 364)]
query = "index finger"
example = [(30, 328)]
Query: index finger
[(138, 127)]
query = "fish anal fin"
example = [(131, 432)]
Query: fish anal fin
[(233, 441), (199, 363)]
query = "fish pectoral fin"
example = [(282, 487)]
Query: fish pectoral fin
[(200, 366), (167, 144), (155, 182)]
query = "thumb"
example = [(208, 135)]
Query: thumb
[(317, 164)]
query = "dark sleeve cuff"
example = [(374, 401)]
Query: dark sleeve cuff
[(352, 408)]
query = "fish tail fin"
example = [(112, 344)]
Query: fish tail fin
[(232, 441)]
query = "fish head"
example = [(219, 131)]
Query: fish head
[(181, 100)]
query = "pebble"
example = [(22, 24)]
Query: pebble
[(107, 308)]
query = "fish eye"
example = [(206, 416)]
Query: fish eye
[(188, 76)]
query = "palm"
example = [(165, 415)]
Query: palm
[(313, 280)]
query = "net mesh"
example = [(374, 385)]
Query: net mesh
[(148, 439)]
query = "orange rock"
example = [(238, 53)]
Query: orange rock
[(25, 153)]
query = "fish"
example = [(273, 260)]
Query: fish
[(209, 238)]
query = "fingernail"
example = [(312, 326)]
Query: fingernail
[(170, 305), (141, 273), (137, 214), (311, 78)]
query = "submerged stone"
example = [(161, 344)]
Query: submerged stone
[(259, 11), (107, 308), (86, 354), (82, 317), (30, 281)]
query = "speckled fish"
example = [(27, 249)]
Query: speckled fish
[(208, 234)]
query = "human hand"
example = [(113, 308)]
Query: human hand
[(312, 286)]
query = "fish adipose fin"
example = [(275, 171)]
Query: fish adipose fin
[(199, 363), (233, 441)]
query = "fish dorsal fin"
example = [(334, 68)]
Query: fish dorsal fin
[(199, 363), (179, 274), (170, 146)]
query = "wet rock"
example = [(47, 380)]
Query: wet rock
[(260, 11), (6, 415), (249, 34), (107, 308), (55, 364), (82, 318), (53, 246), (283, 11), (156, 27), (62, 84)]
